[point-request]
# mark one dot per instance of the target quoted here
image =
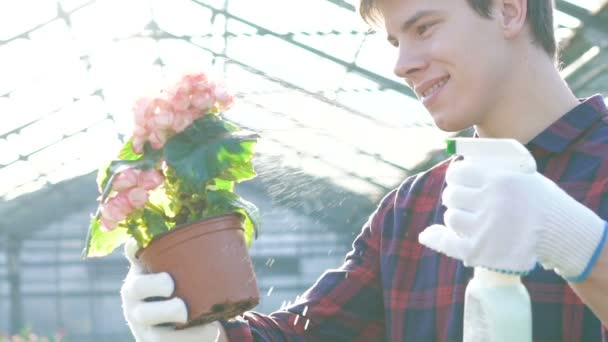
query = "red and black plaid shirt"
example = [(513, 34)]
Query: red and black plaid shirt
[(391, 288)]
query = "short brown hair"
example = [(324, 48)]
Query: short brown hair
[(540, 19)]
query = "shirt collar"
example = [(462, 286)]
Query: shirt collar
[(566, 130)]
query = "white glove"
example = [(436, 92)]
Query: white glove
[(508, 221), (143, 317)]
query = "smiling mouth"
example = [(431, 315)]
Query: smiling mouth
[(429, 92)]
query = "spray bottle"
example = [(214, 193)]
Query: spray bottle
[(497, 306)]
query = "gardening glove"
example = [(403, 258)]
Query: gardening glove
[(508, 221), (143, 317)]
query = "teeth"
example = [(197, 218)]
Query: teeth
[(431, 90)]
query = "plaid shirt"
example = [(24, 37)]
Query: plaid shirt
[(391, 288)]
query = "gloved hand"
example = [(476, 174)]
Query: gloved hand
[(143, 317), (508, 221)]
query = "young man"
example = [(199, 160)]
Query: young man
[(483, 63)]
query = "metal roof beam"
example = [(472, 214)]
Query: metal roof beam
[(587, 18), (382, 81), (343, 4)]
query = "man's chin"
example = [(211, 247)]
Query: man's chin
[(449, 126)]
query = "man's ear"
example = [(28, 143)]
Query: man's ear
[(512, 15)]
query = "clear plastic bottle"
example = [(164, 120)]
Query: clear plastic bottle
[(496, 309), (497, 306)]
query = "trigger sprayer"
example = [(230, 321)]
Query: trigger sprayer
[(497, 306)]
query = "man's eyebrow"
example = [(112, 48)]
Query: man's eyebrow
[(407, 25)]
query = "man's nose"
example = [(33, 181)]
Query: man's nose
[(409, 63)]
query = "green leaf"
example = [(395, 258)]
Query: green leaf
[(158, 198), (146, 225), (239, 172), (221, 202), (154, 222), (100, 243), (103, 174), (222, 184), (145, 161), (127, 152), (209, 148), (250, 229), (136, 231)]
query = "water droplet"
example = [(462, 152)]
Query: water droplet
[(305, 310), (269, 291), (306, 324), (296, 320)]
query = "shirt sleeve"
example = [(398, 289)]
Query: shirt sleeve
[(344, 304)]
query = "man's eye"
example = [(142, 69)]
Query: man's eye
[(422, 29)]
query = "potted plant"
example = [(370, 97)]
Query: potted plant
[(172, 190)]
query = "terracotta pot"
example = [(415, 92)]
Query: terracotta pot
[(210, 264)]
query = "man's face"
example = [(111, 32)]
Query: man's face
[(454, 59)]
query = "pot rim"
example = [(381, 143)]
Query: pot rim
[(189, 224)]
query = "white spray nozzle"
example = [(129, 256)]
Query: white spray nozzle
[(507, 153)]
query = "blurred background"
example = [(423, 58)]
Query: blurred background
[(338, 129)]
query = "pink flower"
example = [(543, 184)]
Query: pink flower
[(137, 197), (181, 101), (156, 120), (131, 186), (203, 86), (121, 205), (198, 80), (224, 99), (107, 225), (182, 120), (202, 100), (139, 142), (157, 139), (115, 210), (179, 96), (143, 109), (150, 180), (141, 130), (163, 119), (126, 179)]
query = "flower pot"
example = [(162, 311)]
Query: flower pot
[(210, 264)]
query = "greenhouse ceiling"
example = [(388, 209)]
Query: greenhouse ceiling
[(309, 76)]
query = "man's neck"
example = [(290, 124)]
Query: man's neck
[(534, 98)]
